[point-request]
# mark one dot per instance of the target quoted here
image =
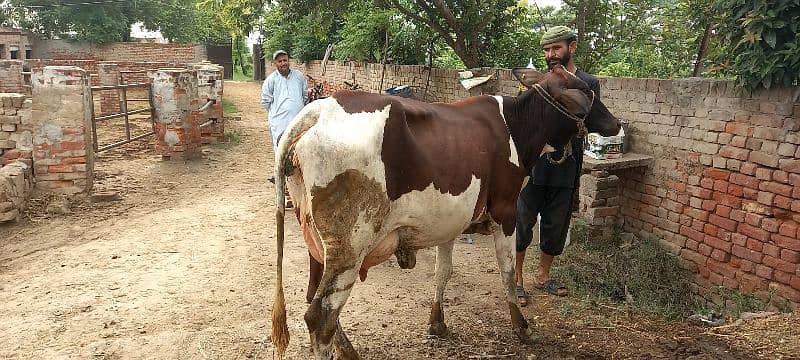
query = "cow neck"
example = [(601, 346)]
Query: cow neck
[(528, 134)]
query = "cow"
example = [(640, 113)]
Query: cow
[(374, 176)]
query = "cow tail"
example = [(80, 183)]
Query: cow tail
[(302, 122)]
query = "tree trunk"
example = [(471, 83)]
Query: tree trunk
[(701, 52)]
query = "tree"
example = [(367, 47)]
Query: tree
[(239, 17), (761, 41), (468, 27), (101, 21)]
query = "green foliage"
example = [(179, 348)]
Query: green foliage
[(302, 37), (760, 36), (520, 43), (102, 21), (640, 274), (739, 303), (363, 33)]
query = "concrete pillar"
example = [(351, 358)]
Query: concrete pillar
[(63, 160), (109, 99), (210, 86), (175, 102)]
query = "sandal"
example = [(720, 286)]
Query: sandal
[(553, 287), (522, 296)]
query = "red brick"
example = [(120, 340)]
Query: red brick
[(73, 145), (765, 198), (723, 211), (699, 192), (722, 222), (795, 284), (770, 225), (788, 228), (776, 188), (744, 180), (59, 168), (782, 277), (721, 185), (692, 233), (764, 174), (772, 250), (73, 160), (704, 249), (732, 152), (707, 183), (778, 264), (708, 205), (753, 219), (720, 255), (696, 213), (676, 186), (790, 256), (764, 272), (796, 192), (738, 129), (755, 245), (746, 265), (717, 243), (747, 254), (727, 200), (710, 229), (786, 242), (691, 244), (750, 283), (750, 194), (717, 174), (737, 215), (780, 176), (721, 268), (753, 232), (694, 257), (747, 168), (782, 202), (724, 234)]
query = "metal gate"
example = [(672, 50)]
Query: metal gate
[(123, 113)]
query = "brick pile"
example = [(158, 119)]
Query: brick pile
[(15, 155), (11, 80)]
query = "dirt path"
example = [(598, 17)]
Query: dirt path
[(182, 268)]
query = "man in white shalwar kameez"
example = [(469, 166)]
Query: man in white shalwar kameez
[(283, 94)]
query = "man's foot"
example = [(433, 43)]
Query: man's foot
[(522, 296), (553, 287)]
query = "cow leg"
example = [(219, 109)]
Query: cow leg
[(444, 267), (322, 316), (504, 250), (314, 277)]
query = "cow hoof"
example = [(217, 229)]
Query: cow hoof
[(437, 329)]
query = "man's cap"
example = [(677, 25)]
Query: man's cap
[(556, 33), (279, 53)]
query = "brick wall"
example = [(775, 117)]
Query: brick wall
[(11, 80), (13, 37), (125, 51), (15, 155), (723, 190)]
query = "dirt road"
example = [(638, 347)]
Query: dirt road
[(183, 268)]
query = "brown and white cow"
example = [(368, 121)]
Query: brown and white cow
[(375, 176)]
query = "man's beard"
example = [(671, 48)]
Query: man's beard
[(563, 61)]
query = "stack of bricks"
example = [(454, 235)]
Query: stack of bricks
[(15, 155), (177, 121), (210, 87), (599, 202), (724, 191), (62, 142)]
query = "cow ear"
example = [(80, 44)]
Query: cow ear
[(575, 101), (527, 76)]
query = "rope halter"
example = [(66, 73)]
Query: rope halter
[(582, 131)]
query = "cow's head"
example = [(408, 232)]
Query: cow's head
[(574, 95)]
